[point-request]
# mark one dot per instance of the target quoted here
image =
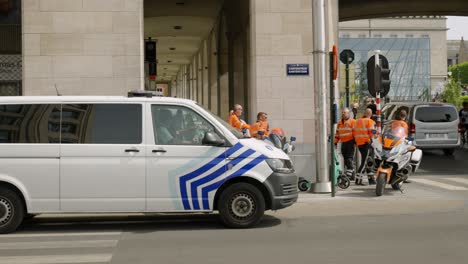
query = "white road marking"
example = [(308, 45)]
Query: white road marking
[(58, 244), (61, 234), (459, 180), (439, 184), (56, 259)]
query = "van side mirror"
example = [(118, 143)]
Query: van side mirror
[(212, 139)]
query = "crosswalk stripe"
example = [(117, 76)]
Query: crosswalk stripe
[(58, 259), (58, 244), (61, 234), (459, 180), (439, 184)]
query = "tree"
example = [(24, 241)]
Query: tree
[(460, 70), (452, 93)]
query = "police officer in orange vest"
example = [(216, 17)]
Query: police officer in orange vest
[(362, 133), (344, 134), (260, 129), (400, 125), (234, 120)]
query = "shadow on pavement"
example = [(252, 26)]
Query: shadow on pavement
[(367, 192), (133, 223)]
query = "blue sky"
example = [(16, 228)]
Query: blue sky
[(458, 27)]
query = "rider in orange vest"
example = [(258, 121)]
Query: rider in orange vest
[(234, 120), (344, 134), (400, 123), (362, 133), (260, 129)]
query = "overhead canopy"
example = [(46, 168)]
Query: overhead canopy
[(179, 26), (362, 9)]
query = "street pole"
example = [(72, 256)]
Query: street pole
[(322, 184), (333, 111), (347, 82), (377, 96)]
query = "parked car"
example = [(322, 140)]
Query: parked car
[(432, 125)]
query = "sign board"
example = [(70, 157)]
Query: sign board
[(297, 69), (10, 68)]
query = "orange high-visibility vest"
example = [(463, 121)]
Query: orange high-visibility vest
[(234, 121), (362, 131), (344, 131), (259, 126), (400, 123)]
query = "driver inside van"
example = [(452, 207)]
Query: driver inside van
[(163, 130)]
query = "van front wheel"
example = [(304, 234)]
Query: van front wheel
[(241, 205), (11, 211)]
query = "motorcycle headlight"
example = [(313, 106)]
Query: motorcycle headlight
[(280, 165)]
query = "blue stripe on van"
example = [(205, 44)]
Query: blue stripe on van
[(214, 175), (184, 179), (207, 189)]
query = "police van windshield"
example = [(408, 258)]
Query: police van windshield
[(224, 123)]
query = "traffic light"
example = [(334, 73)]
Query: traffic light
[(378, 77), (150, 51)]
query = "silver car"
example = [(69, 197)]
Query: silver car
[(432, 125)]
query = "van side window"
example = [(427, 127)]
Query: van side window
[(102, 124), (30, 123), (176, 125)]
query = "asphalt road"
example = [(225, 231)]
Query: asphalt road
[(427, 223)]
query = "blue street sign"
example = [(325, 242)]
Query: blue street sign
[(297, 69)]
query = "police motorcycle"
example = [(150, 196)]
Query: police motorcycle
[(396, 158)]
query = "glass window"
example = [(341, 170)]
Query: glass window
[(10, 48), (177, 125), (28, 124), (397, 112), (102, 124), (234, 131), (434, 114)]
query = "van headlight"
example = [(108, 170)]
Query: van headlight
[(280, 165)]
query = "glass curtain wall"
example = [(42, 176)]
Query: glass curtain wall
[(410, 66)]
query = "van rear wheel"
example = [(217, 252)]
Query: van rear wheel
[(241, 205), (11, 211)]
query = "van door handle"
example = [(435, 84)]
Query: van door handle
[(132, 150), (159, 151)]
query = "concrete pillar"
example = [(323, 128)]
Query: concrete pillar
[(213, 73), (281, 33), (206, 77)]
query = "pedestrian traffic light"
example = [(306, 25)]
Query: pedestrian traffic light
[(150, 51), (378, 77)]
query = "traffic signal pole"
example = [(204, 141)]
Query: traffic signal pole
[(377, 94), (347, 82)]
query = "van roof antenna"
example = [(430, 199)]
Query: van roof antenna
[(58, 94)]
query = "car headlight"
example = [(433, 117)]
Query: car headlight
[(280, 165)]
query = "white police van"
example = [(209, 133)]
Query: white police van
[(121, 154)]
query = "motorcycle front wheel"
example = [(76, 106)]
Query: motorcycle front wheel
[(381, 182)]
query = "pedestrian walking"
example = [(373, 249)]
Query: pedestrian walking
[(362, 134), (344, 134)]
